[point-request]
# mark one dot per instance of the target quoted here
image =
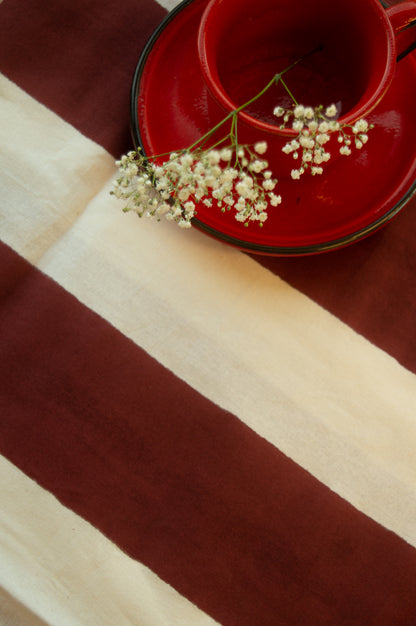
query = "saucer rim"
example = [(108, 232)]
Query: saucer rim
[(247, 246)]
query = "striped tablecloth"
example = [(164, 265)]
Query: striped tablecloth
[(190, 435)]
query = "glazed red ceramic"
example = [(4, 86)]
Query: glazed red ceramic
[(242, 44), (171, 108)]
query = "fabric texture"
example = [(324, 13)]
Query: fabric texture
[(190, 435)]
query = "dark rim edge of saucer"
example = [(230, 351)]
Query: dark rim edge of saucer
[(138, 72), (265, 249)]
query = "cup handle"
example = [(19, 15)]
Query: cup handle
[(402, 17)]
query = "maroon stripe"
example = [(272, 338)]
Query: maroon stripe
[(178, 483), (77, 57)]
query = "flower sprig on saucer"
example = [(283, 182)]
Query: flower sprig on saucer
[(315, 127), (227, 175), (230, 177)]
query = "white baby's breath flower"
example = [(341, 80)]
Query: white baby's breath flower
[(324, 127), (360, 127), (316, 170), (274, 199), (331, 111), (242, 189), (299, 111), (257, 166), (229, 175), (279, 111), (260, 206), (214, 157), (131, 170), (163, 209), (182, 223), (187, 160), (306, 142), (345, 150), (189, 206), (260, 147), (315, 128), (322, 138), (183, 194), (269, 184), (226, 154), (248, 180)]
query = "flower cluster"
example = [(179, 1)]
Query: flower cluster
[(227, 175), (315, 127), (233, 177)]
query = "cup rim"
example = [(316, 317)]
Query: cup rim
[(213, 83)]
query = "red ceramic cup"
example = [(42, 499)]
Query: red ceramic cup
[(242, 44)]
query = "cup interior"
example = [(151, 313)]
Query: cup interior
[(243, 44)]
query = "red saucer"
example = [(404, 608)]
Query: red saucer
[(354, 197)]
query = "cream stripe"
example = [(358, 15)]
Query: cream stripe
[(14, 613), (322, 394), (67, 573), (168, 4), (48, 172)]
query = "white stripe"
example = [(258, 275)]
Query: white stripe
[(48, 172), (168, 4), (325, 396), (58, 568), (14, 613)]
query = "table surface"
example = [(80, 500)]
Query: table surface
[(190, 435)]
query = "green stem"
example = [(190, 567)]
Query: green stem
[(274, 80), (233, 128), (236, 131), (211, 132), (302, 58), (234, 113), (288, 91), (217, 143)]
